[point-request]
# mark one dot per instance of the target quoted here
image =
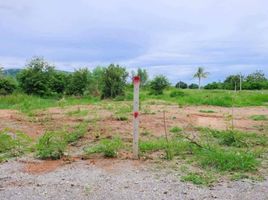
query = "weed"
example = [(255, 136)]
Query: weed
[(227, 160), (175, 129), (238, 176), (13, 144), (121, 118), (207, 111), (51, 145), (199, 178), (78, 132), (259, 117), (108, 147), (78, 113)]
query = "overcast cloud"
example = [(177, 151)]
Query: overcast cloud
[(170, 37)]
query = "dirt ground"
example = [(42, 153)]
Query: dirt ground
[(123, 178), (151, 119)]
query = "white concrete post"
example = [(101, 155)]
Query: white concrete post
[(136, 82)]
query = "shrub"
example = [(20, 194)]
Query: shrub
[(36, 77), (7, 85), (193, 86), (181, 85), (114, 81), (79, 81), (158, 84), (51, 145)]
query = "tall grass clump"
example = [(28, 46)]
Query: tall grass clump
[(14, 144), (109, 147), (78, 132), (51, 145)]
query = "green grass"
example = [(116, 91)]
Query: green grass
[(78, 132), (227, 160), (235, 138), (51, 145), (175, 129), (199, 178), (13, 144), (26, 103), (207, 111), (259, 117), (212, 97), (78, 113), (109, 148)]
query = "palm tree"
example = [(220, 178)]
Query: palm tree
[(200, 74)]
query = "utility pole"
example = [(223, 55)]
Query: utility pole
[(136, 82)]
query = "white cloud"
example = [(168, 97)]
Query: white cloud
[(165, 36)]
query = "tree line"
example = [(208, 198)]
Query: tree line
[(41, 78)]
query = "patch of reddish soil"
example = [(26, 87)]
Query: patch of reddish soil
[(113, 164), (42, 166), (15, 121)]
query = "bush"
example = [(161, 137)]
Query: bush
[(79, 81), (51, 145), (193, 86), (7, 85), (36, 77), (158, 84), (181, 85), (114, 81)]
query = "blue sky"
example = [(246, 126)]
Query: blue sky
[(170, 37)]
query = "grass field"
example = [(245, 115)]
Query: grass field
[(211, 140), (222, 98)]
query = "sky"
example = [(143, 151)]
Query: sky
[(169, 37)]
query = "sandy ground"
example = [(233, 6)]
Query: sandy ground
[(112, 180)]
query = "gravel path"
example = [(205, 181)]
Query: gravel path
[(123, 180)]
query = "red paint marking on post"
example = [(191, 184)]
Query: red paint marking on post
[(136, 79), (136, 114)]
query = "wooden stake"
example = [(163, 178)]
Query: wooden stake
[(136, 82)]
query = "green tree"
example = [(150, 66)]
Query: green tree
[(96, 85), (181, 85), (7, 85), (214, 86), (1, 71), (158, 84), (232, 82), (36, 77), (200, 74), (193, 86), (114, 81), (142, 73), (79, 82), (59, 82)]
